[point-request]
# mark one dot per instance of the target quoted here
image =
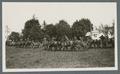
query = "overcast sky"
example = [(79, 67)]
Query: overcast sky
[(16, 14)]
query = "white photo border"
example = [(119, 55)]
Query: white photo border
[(4, 69)]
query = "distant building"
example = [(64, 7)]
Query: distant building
[(95, 34)]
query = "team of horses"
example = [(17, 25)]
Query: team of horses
[(76, 44)]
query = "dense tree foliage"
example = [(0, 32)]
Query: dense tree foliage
[(14, 36), (81, 27), (35, 32), (50, 30), (32, 30), (62, 29)]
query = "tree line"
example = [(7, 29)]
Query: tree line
[(34, 31)]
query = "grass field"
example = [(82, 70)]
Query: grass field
[(38, 58)]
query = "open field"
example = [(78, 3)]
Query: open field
[(38, 58)]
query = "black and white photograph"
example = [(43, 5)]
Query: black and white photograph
[(66, 36)]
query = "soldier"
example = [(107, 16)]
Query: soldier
[(102, 39)]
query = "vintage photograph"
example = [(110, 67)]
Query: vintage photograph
[(42, 36)]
